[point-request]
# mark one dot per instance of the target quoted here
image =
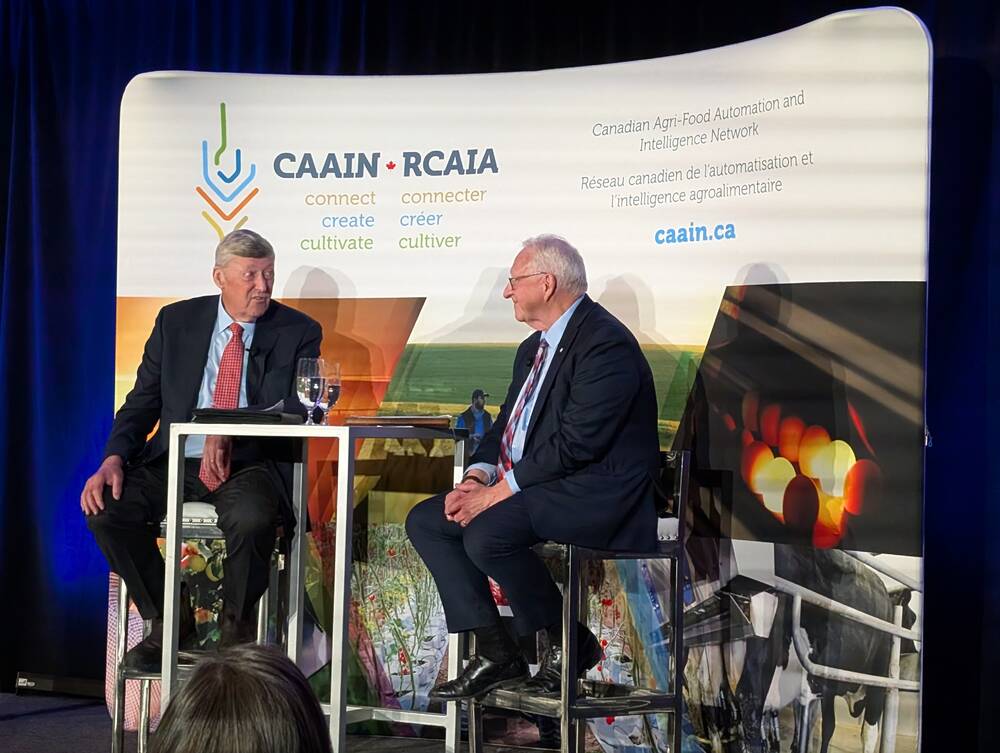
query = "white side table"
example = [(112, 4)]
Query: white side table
[(339, 712)]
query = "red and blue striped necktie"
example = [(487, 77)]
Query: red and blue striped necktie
[(507, 443)]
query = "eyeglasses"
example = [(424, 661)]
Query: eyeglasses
[(512, 280)]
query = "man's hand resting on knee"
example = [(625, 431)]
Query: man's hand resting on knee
[(109, 474)]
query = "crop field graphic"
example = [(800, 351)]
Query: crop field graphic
[(437, 378)]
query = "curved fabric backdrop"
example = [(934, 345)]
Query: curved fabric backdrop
[(756, 214)]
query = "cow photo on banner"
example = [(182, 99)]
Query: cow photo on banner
[(755, 214)]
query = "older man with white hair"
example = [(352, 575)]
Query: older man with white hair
[(571, 458), (231, 350)]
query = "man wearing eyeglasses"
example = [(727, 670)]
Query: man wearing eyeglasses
[(570, 458), (230, 350)]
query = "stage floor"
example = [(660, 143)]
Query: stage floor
[(59, 724)]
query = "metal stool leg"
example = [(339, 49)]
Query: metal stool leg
[(274, 594), (579, 735), (453, 711), (569, 730), (263, 609), (281, 602), (677, 648), (475, 726), (582, 618), (271, 600), (118, 693), (144, 689)]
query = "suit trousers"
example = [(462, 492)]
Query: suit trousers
[(496, 543), (127, 529)]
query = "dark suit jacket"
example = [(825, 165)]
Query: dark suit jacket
[(173, 363), (591, 450)]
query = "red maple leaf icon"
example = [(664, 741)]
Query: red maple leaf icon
[(391, 165)]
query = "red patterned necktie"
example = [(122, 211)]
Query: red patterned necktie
[(227, 387), (507, 443)]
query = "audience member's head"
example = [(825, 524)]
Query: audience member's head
[(246, 699)]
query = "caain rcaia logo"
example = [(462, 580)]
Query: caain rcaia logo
[(227, 184)]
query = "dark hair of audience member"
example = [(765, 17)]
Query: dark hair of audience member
[(246, 699)]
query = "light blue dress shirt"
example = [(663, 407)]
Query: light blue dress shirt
[(194, 445), (553, 335)]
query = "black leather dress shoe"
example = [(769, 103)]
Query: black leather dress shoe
[(480, 677), (147, 654), (234, 629), (548, 679)]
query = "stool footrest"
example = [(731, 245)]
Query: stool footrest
[(183, 672), (599, 699), (664, 549), (197, 531)]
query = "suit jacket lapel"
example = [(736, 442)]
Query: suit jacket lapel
[(265, 335), (562, 350), (192, 360)]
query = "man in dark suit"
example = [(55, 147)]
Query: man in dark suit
[(570, 458), (237, 349)]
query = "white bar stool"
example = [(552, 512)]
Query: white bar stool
[(580, 700), (199, 521)]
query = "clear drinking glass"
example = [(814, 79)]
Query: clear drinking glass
[(310, 384), (331, 394)]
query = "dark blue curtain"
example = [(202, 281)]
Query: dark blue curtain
[(63, 69)]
